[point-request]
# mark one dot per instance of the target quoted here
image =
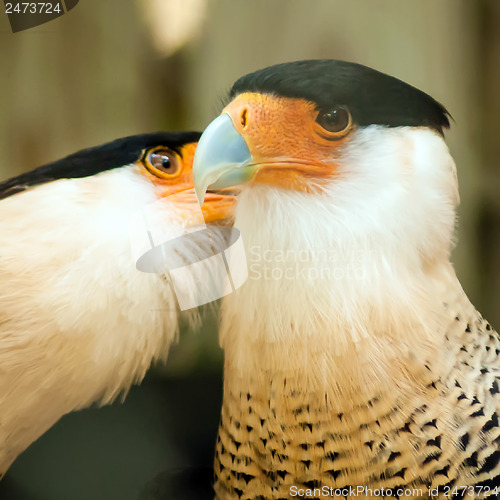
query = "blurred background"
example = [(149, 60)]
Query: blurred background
[(118, 67)]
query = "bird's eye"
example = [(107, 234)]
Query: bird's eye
[(335, 121), (162, 162)]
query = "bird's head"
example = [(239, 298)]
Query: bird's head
[(159, 164), (347, 207), (360, 147)]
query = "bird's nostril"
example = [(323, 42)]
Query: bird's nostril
[(243, 117)]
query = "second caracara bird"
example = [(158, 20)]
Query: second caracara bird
[(78, 322), (353, 357)]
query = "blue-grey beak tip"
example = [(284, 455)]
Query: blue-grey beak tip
[(220, 157)]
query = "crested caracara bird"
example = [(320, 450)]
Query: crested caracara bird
[(353, 357), (78, 322)]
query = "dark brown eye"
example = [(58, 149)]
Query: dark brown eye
[(162, 162), (335, 120)]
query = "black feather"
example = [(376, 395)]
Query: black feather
[(91, 161), (371, 96)]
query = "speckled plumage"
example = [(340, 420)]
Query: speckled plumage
[(273, 437)]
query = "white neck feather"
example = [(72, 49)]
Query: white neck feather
[(348, 285)]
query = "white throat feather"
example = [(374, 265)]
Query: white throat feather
[(347, 286)]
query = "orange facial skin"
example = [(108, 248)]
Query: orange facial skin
[(179, 187), (218, 207), (291, 149)]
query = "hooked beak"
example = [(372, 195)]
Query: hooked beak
[(222, 158)]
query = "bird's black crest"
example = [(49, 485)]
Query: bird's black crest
[(371, 96), (91, 161)]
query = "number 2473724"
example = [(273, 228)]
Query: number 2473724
[(33, 8)]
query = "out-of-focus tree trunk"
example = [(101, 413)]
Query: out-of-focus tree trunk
[(80, 80), (489, 228)]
